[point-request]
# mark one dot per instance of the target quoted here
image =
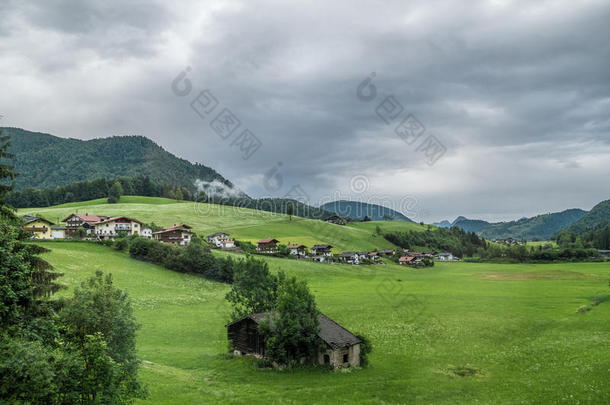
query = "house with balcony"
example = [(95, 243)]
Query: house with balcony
[(297, 250), (39, 227), (111, 227), (86, 221), (220, 240), (177, 234), (267, 246)]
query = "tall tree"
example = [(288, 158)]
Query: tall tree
[(290, 210), (7, 175), (115, 193)]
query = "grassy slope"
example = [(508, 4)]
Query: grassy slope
[(242, 223), (520, 328)]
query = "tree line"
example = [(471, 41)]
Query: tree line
[(79, 349)]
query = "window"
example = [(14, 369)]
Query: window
[(346, 358)]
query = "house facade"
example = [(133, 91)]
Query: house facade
[(445, 257), (337, 220), (58, 232), (267, 245), (111, 227), (146, 232), (220, 240), (177, 234), (39, 227), (85, 221), (341, 348), (297, 250)]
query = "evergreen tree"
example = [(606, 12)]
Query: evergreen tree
[(290, 210)]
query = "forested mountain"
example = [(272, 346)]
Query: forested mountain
[(597, 218), (358, 210), (541, 227), (46, 161), (471, 225)]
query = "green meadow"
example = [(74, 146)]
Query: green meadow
[(457, 333), (242, 223)]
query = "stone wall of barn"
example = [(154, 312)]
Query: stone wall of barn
[(337, 356)]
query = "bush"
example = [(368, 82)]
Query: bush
[(365, 348)]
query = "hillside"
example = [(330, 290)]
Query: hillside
[(359, 210), (471, 225), (46, 161), (425, 326), (598, 217), (541, 227), (242, 223)]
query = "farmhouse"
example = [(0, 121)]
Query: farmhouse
[(387, 252), (110, 227), (321, 253), (85, 221), (349, 257), (40, 227), (341, 347), (176, 234), (604, 253), (146, 232), (408, 260), (267, 245), (220, 240), (337, 220), (445, 257), (297, 250), (373, 256)]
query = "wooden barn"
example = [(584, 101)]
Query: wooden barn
[(342, 347)]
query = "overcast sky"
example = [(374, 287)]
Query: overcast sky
[(516, 93)]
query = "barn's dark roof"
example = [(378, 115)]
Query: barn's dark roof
[(331, 332)]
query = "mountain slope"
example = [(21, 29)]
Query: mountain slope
[(598, 217), (358, 210), (540, 227), (471, 225), (45, 161)]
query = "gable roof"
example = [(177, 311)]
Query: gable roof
[(176, 227), (297, 246), (30, 218), (406, 259), (267, 240), (321, 247), (217, 234), (333, 334), (103, 221), (85, 217)]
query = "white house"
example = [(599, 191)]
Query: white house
[(146, 232), (445, 257), (109, 228), (297, 250), (58, 232)]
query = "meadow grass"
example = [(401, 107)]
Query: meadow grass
[(242, 223), (457, 333)]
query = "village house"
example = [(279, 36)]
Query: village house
[(445, 257), (220, 240), (387, 252), (110, 227), (146, 232), (40, 227), (341, 347), (407, 260), (58, 232), (297, 250), (321, 253), (176, 234), (85, 221), (267, 246), (349, 257), (373, 256), (604, 253), (337, 220)]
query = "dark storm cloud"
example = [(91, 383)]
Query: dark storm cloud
[(518, 92)]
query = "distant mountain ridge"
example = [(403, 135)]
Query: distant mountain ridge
[(358, 210), (541, 227), (598, 217), (45, 161)]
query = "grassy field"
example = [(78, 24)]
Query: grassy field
[(457, 333), (242, 223)]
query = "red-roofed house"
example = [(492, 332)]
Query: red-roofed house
[(177, 234), (267, 245), (85, 221), (297, 250), (408, 260)]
